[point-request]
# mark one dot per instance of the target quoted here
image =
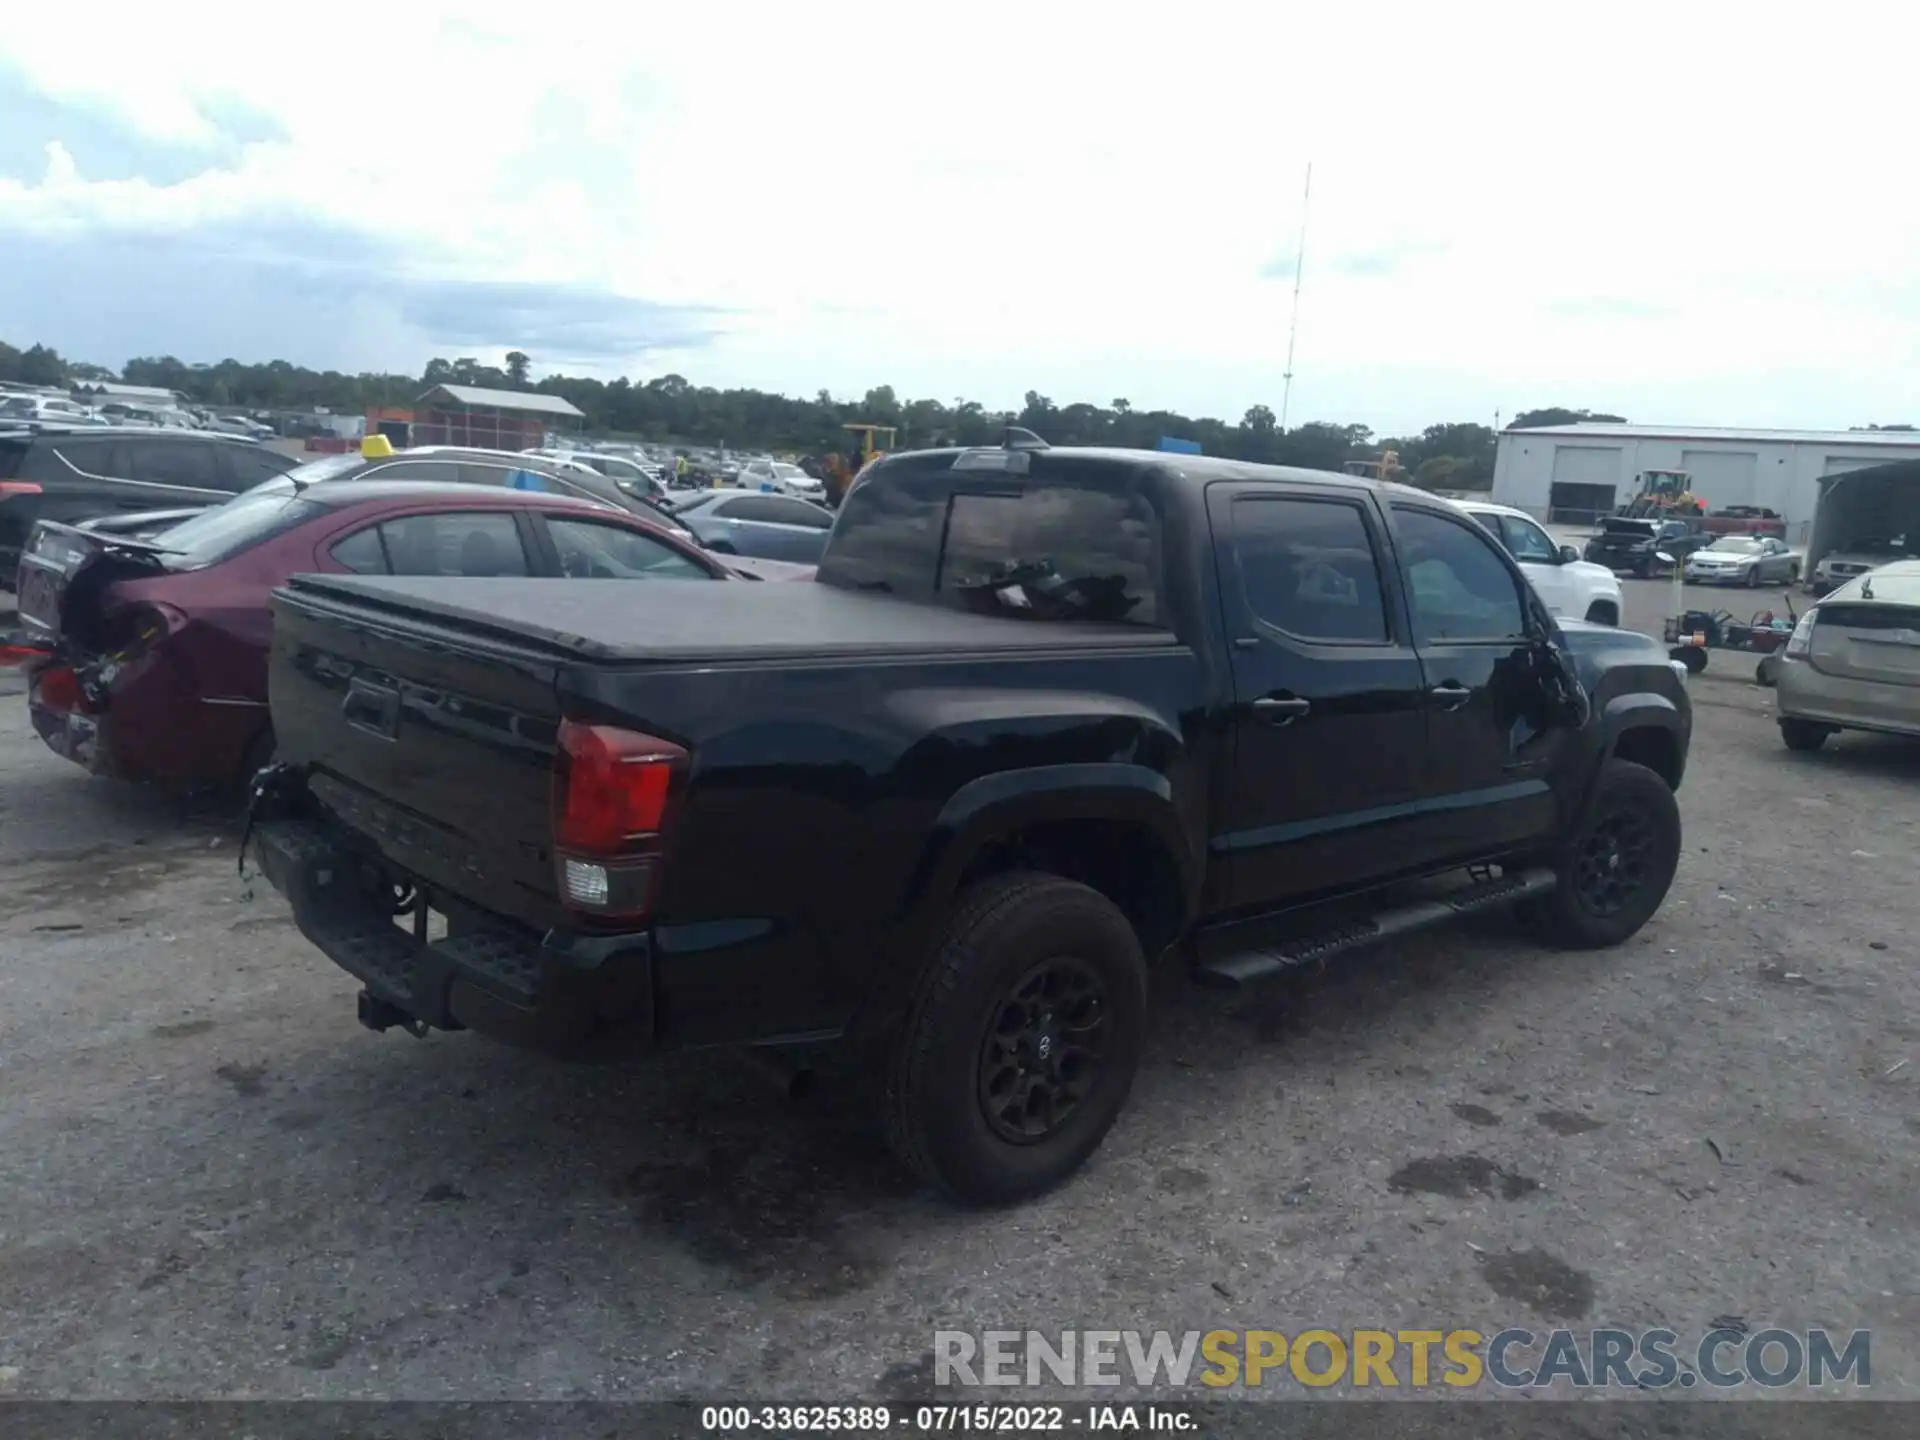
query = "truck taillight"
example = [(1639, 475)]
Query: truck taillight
[(613, 791)]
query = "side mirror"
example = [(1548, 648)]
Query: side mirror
[(1568, 554)]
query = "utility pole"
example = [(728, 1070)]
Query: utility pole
[(1293, 325)]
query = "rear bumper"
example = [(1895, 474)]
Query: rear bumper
[(568, 995), (1805, 693), (149, 726)]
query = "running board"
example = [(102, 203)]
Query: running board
[(1249, 966)]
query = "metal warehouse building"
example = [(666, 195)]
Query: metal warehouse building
[(1577, 473)]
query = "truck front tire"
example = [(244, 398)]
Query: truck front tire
[(1022, 1042), (1616, 868)]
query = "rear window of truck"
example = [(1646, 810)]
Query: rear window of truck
[(1082, 544)]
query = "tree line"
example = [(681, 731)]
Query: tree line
[(672, 409)]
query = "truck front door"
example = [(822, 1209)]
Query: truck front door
[(1489, 753), (1328, 719)]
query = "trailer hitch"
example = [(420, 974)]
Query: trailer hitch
[(381, 1016)]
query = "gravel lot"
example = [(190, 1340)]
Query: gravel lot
[(217, 1184)]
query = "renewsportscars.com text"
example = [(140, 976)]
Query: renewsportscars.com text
[(1513, 1358)]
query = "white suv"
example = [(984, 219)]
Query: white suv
[(1574, 589)]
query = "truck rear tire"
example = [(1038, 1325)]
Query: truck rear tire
[(1617, 867), (1022, 1042)]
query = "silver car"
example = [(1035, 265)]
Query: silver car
[(1743, 560), (1854, 660), (1856, 558), (746, 522)]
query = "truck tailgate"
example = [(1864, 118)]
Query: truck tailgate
[(463, 727)]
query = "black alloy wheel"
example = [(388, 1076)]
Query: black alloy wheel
[(1613, 862), (1044, 1050), (1616, 867)]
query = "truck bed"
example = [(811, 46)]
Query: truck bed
[(698, 621)]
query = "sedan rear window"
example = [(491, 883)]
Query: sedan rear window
[(225, 530)]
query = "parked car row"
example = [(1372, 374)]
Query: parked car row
[(24, 409), (1629, 545), (76, 473), (146, 636)]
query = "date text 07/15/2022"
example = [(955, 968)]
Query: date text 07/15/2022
[(946, 1419)]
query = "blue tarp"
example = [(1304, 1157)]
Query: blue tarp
[(1178, 446)]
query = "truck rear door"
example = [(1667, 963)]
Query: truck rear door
[(1327, 719)]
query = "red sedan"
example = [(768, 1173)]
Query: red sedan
[(147, 659)]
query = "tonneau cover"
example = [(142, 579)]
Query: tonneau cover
[(699, 620)]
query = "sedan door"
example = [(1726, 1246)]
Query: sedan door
[(1777, 564)]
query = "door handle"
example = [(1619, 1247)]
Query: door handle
[(1281, 709), (1451, 695)]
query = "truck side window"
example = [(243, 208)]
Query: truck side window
[(1457, 586), (1307, 567), (1527, 541)]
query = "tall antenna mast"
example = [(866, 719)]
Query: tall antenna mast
[(1293, 325)]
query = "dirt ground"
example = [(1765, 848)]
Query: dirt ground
[(216, 1184)]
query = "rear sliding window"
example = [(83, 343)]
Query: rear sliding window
[(1081, 543), (242, 522)]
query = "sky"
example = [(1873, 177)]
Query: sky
[(1646, 210)]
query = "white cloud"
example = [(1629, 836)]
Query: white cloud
[(1654, 209)]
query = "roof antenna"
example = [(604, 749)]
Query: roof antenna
[(1019, 438), (1293, 325)]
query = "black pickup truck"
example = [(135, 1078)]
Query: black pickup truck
[(1046, 716)]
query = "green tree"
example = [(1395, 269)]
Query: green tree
[(1557, 415), (671, 408), (39, 365)]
